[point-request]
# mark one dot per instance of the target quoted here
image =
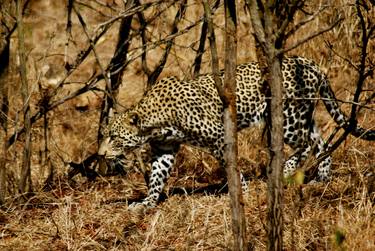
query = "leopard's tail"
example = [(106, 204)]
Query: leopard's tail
[(334, 110)]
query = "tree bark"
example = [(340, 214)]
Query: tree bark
[(265, 27), (213, 48), (227, 95), (4, 102), (230, 128), (25, 178), (275, 189)]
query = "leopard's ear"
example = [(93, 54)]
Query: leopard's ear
[(134, 119)]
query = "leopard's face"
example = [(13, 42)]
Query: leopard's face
[(121, 135)]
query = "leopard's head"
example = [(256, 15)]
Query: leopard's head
[(121, 135)]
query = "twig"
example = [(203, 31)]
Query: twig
[(363, 104), (213, 48), (202, 41), (156, 72), (88, 6), (150, 46), (127, 13), (299, 25), (143, 25), (347, 60), (287, 17), (311, 36), (142, 30), (360, 82), (68, 30), (83, 24)]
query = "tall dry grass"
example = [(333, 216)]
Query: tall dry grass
[(82, 215)]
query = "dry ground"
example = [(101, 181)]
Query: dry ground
[(81, 215)]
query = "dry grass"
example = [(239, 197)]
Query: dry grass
[(93, 217), (79, 215)]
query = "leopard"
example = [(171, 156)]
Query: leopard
[(174, 112)]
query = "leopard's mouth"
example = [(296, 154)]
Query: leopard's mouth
[(111, 157), (108, 151)]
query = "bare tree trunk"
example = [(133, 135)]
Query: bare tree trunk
[(265, 25), (4, 102), (228, 97), (230, 127), (275, 189), (25, 178)]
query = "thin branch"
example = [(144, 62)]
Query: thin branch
[(256, 22), (299, 25), (79, 59), (156, 72), (39, 114), (352, 123), (214, 57), (92, 44), (347, 60), (142, 30), (98, 33), (152, 45), (96, 10), (68, 31), (143, 25), (127, 13), (202, 41), (280, 34), (311, 36)]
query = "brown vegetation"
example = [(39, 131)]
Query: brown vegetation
[(79, 214)]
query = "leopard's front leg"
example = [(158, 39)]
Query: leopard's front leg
[(161, 167)]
